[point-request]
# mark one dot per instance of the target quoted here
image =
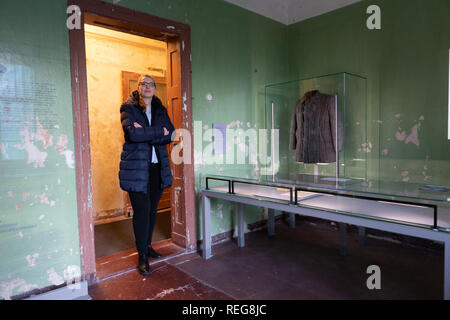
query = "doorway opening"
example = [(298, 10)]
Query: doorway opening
[(114, 62), (114, 46)]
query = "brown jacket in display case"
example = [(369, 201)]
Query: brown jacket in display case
[(313, 128)]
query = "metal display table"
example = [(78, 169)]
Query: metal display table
[(401, 208)]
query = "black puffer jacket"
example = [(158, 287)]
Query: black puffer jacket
[(137, 148)]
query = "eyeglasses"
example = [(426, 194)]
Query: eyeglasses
[(148, 84)]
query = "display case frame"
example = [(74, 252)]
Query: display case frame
[(347, 192)]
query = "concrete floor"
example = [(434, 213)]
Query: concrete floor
[(299, 263)]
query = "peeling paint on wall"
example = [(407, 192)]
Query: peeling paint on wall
[(31, 259), (42, 135), (366, 147), (54, 278), (35, 97), (7, 289), (68, 154), (35, 156), (404, 175), (413, 137), (3, 147)]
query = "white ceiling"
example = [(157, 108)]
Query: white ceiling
[(291, 11)]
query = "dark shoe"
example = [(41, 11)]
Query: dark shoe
[(143, 266), (153, 254)]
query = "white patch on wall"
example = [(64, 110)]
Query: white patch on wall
[(43, 198), (413, 137), (32, 259), (3, 147), (72, 274), (19, 285), (68, 154), (366, 147), (54, 278), (42, 135), (35, 156), (70, 162), (404, 175)]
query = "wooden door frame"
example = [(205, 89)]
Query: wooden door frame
[(128, 20)]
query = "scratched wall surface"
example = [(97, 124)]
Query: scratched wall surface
[(39, 244), (406, 64)]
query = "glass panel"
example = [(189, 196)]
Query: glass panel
[(313, 118), (371, 188)]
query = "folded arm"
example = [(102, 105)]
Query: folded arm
[(151, 134)]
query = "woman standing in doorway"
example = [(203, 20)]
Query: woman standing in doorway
[(144, 166)]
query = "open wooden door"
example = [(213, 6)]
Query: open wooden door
[(175, 112)]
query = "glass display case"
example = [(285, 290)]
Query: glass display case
[(318, 126), (398, 202), (340, 184)]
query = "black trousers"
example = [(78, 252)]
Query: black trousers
[(144, 208)]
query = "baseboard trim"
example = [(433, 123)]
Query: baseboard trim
[(77, 291)]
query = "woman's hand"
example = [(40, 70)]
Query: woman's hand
[(137, 125)]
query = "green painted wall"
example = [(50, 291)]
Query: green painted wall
[(406, 64), (234, 54), (39, 244)]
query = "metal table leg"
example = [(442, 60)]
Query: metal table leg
[(206, 215), (362, 235), (291, 220), (241, 240)]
